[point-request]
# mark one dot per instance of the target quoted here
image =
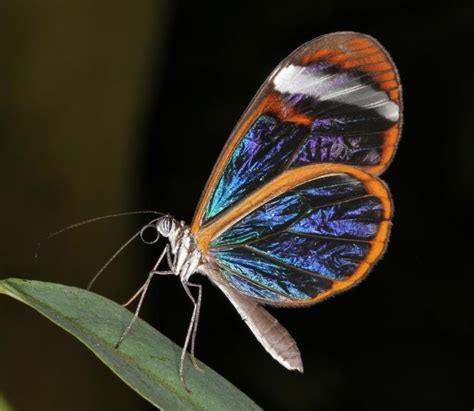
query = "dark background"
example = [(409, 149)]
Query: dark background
[(113, 106)]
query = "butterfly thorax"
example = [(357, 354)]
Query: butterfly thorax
[(183, 246)]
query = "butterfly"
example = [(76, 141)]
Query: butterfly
[(293, 211)]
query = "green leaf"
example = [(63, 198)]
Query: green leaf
[(4, 405), (147, 361)]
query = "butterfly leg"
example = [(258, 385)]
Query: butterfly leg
[(143, 291), (192, 330), (170, 265), (195, 328), (134, 297)]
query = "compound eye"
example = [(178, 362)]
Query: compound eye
[(165, 226)]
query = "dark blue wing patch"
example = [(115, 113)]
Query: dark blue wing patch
[(267, 274), (335, 259)]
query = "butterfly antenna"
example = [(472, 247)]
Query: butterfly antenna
[(123, 246), (91, 220)]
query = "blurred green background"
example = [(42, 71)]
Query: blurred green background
[(75, 80), (115, 106)]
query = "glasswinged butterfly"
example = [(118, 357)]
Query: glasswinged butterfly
[(293, 211)]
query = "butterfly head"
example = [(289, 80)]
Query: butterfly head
[(165, 226)]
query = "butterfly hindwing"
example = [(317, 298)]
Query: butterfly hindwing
[(336, 99), (308, 234)]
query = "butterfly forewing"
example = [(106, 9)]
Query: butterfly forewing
[(336, 99)]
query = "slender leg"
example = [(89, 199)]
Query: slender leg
[(195, 328), (190, 333), (168, 257), (134, 297), (166, 252), (143, 291)]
